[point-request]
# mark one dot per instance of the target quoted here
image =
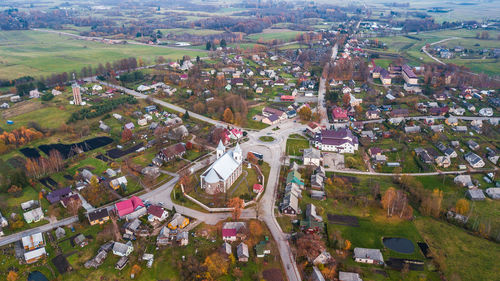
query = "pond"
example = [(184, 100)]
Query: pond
[(37, 276), (400, 245)]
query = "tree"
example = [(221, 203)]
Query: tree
[(126, 135), (12, 276), (136, 269), (223, 43), (228, 115), (346, 99), (462, 206), (252, 158), (73, 206), (208, 46), (237, 204), (216, 265), (81, 215), (186, 115), (15, 190), (309, 246), (305, 113)]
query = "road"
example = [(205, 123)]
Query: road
[(323, 113), (113, 41), (424, 49)]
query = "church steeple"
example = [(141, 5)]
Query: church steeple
[(237, 153), (220, 149)]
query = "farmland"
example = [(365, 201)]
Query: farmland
[(37, 53)]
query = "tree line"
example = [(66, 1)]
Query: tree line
[(101, 108)]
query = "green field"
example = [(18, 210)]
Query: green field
[(37, 53), (200, 31), (271, 34), (295, 144)]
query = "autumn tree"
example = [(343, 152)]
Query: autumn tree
[(216, 265), (252, 158), (15, 190), (346, 99), (431, 205), (396, 203), (73, 205), (462, 206), (237, 205), (126, 135), (12, 276), (309, 246), (135, 270), (305, 113), (228, 115)]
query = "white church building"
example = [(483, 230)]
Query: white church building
[(224, 171)]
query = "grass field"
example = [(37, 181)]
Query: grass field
[(37, 53), (295, 144), (271, 34), (191, 31), (468, 257)]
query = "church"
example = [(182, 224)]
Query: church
[(224, 171)]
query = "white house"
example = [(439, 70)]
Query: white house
[(365, 255), (312, 156)]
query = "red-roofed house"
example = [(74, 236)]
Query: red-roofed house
[(229, 234), (258, 188), (156, 213), (132, 207), (235, 133), (339, 114)]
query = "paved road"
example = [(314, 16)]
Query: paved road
[(424, 49), (323, 112)]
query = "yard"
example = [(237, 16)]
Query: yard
[(295, 144)]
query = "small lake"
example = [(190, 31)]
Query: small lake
[(400, 245), (37, 276)]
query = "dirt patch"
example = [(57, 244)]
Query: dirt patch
[(343, 220), (273, 274), (61, 263), (21, 108)]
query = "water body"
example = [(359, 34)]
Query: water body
[(37, 276), (400, 245)]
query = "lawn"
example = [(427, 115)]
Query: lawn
[(464, 256), (295, 144), (266, 138), (271, 34), (252, 124), (37, 53), (50, 117)]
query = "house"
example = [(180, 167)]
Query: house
[(372, 114), (262, 249), (311, 156), (385, 77), (317, 194), (365, 255), (56, 195), (472, 144), (339, 114), (317, 182), (35, 255), (163, 237), (5, 105), (34, 94), (178, 133), (34, 215), (86, 175), (437, 128), (493, 192), (226, 248), (412, 129), (294, 177), (399, 112), (464, 180), (475, 194), (460, 129), (349, 276), (258, 188), (221, 175), (271, 120), (178, 221), (269, 111), (449, 152), (118, 182), (311, 212), (374, 151), (172, 152), (312, 129), (99, 216), (290, 204), (129, 126), (474, 160), (323, 258), (316, 274), (242, 252), (130, 208), (123, 250), (342, 141), (122, 262), (33, 241), (60, 232), (443, 161), (3, 222), (152, 172), (156, 213), (80, 240), (182, 238), (230, 230)]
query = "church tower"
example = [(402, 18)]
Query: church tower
[(237, 153), (220, 149)]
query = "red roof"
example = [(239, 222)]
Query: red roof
[(257, 187), (339, 113), (156, 211), (229, 232), (288, 98), (128, 206)]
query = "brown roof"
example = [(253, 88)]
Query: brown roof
[(173, 150), (156, 211)]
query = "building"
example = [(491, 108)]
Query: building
[(339, 114), (99, 216), (371, 256), (242, 252), (409, 76), (77, 97), (131, 208), (385, 77), (230, 230), (464, 180), (323, 258), (118, 182), (342, 141), (172, 152), (262, 249), (156, 213), (34, 215), (271, 120), (316, 274), (475, 194), (474, 160), (311, 156), (178, 221), (123, 250), (56, 195), (34, 247), (164, 237), (269, 111), (493, 192), (349, 276), (221, 175), (182, 238), (35, 255)]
